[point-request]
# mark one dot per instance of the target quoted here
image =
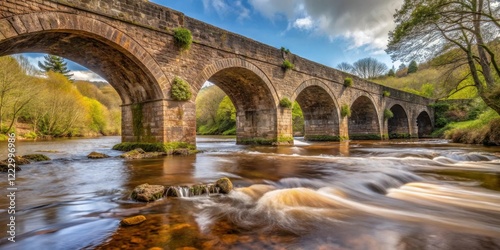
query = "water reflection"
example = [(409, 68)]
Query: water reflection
[(350, 195)]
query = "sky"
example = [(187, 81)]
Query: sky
[(325, 31)]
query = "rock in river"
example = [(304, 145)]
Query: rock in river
[(97, 155), (36, 157), (134, 220), (139, 153), (224, 184), (146, 192)]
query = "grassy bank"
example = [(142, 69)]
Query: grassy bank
[(483, 130)]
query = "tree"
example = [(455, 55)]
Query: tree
[(55, 64), (346, 67), (413, 67), (365, 68), (429, 28), (17, 89), (392, 72)]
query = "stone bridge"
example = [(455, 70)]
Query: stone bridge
[(130, 43)]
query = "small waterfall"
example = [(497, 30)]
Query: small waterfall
[(196, 190)]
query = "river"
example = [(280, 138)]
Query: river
[(427, 194)]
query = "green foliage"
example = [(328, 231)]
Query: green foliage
[(285, 139), (388, 114), (386, 93), (183, 38), (180, 90), (55, 64), (348, 82), (483, 130), (345, 111), (297, 119), (97, 114), (287, 65), (285, 50), (413, 67), (285, 103), (52, 106), (391, 73), (222, 121)]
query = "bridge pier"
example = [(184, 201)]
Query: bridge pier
[(159, 121)]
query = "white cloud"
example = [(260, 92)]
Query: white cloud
[(86, 76), (364, 23), (305, 23)]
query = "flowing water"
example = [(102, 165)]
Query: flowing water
[(353, 195)]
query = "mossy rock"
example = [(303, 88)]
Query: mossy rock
[(36, 157), (224, 184), (147, 193), (138, 153), (4, 167), (134, 220), (97, 155), (21, 160)]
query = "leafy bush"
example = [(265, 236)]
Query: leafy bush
[(285, 102), (388, 114), (345, 111), (287, 65), (183, 38), (283, 49), (348, 82), (386, 93), (180, 90)]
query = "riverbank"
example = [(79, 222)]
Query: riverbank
[(483, 130)]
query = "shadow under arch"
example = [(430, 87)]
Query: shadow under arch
[(320, 108), (105, 50), (398, 125), (364, 121), (252, 94), (424, 125)]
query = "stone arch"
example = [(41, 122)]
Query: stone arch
[(364, 122), (424, 124), (252, 94), (320, 108), (109, 52), (398, 126)]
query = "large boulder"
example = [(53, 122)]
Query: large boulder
[(97, 155), (147, 193), (224, 184)]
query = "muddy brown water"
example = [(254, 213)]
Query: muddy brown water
[(427, 194)]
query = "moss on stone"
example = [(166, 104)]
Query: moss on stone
[(183, 38), (322, 138), (180, 90), (285, 103), (36, 157), (365, 137)]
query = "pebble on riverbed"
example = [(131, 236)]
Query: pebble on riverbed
[(133, 220)]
